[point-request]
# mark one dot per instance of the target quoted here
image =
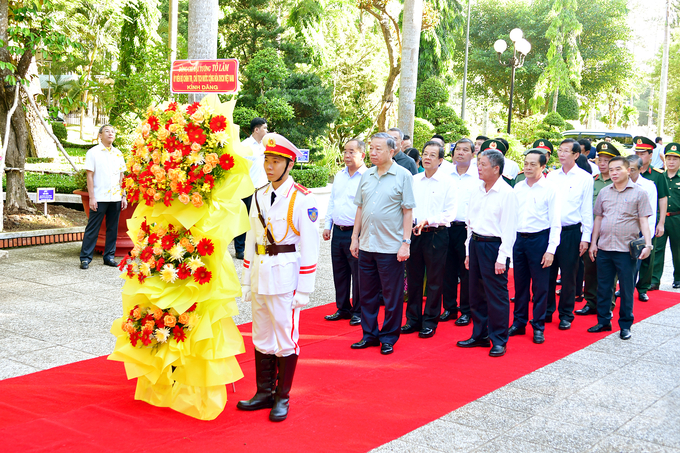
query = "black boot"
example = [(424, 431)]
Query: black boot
[(286, 372), (265, 370)]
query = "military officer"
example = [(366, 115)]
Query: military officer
[(605, 153), (672, 226), (644, 148), (279, 268)]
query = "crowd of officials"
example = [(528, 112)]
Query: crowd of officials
[(454, 227)]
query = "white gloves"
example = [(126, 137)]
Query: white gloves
[(245, 290), (300, 299)]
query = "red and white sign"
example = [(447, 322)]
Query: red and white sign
[(204, 76)]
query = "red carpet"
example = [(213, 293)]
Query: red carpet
[(342, 400)]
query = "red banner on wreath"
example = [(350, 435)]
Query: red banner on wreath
[(204, 76)]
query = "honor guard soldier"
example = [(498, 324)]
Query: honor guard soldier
[(644, 148), (279, 268), (672, 226)]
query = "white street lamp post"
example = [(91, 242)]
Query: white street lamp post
[(521, 48)]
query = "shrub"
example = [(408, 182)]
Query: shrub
[(430, 93), (447, 123), (61, 183), (84, 146), (311, 177), (39, 160), (76, 152), (60, 131), (422, 132), (554, 119), (242, 117)]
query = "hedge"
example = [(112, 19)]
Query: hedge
[(39, 160), (61, 183), (311, 177), (60, 131), (84, 146)]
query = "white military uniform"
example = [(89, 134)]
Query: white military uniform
[(292, 220)]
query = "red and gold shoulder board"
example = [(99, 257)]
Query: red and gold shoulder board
[(303, 189)]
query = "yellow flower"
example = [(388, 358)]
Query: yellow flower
[(195, 158), (174, 127), (195, 147), (163, 133), (169, 273), (177, 252), (162, 335), (193, 321), (198, 116), (178, 119), (144, 269), (221, 137), (195, 263)]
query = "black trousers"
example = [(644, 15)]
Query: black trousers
[(428, 252), (381, 271), (455, 269), (566, 263), (345, 273), (110, 210), (609, 264), (530, 277), (240, 240), (489, 300)]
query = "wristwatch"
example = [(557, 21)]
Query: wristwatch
[(650, 247), (406, 241)]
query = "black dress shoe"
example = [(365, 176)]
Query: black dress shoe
[(617, 293), (448, 315), (514, 330), (363, 344), (386, 349), (472, 343), (464, 320), (110, 263), (579, 298), (548, 318), (643, 297), (426, 333), (539, 338), (676, 285), (653, 288), (239, 255), (497, 351), (625, 334), (597, 328), (355, 321), (587, 310), (408, 328), (564, 325), (84, 265), (337, 316)]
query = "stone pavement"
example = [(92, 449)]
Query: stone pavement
[(613, 396)]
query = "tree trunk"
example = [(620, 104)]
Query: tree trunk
[(412, 23), (202, 44), (41, 144), (664, 71), (556, 97)]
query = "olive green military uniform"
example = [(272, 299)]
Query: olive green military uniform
[(647, 268), (672, 226)]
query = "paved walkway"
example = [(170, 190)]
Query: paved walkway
[(613, 396)]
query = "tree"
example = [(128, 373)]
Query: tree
[(202, 42), (564, 58), (413, 17), (437, 43)]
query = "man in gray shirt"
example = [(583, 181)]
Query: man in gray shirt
[(399, 157), (381, 240)]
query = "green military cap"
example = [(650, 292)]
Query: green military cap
[(672, 149), (607, 149), (540, 150), (495, 145), (543, 144), (643, 143)]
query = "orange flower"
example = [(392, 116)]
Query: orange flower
[(196, 200), (207, 168), (140, 235), (212, 159), (173, 186), (173, 128), (169, 320), (184, 198), (163, 133), (149, 325), (157, 196), (190, 248), (184, 318), (157, 314), (161, 230), (145, 130), (184, 242), (137, 313), (151, 262), (156, 157), (136, 168), (128, 327), (151, 191), (195, 147)]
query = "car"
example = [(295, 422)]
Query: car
[(624, 138)]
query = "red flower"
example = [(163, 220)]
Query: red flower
[(168, 240), (192, 308), (186, 150), (153, 237), (205, 247), (121, 266), (146, 254), (172, 107), (160, 263), (130, 272), (209, 180), (145, 227), (134, 338), (226, 161), (202, 275), (146, 339), (159, 322), (141, 277), (178, 333), (167, 200), (171, 144), (191, 109), (195, 133), (183, 271), (218, 123), (153, 122)]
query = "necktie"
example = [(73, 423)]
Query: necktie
[(273, 197)]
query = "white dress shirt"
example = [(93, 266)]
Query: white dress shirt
[(494, 213), (446, 166), (576, 193), (510, 168), (594, 168), (650, 188), (107, 165), (435, 199), (341, 208), (538, 210), (463, 187), (257, 173)]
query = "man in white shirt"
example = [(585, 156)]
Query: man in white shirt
[(658, 159), (575, 187), (446, 166), (340, 220), (511, 169), (538, 235), (492, 229), (465, 182), (258, 129), (435, 209), (105, 168)]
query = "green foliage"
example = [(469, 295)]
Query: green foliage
[(39, 160), (554, 119), (431, 99), (59, 130), (75, 146), (61, 183), (242, 116), (436, 53), (76, 152), (311, 176), (567, 104), (568, 126), (447, 123), (80, 180), (429, 95), (423, 131)]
